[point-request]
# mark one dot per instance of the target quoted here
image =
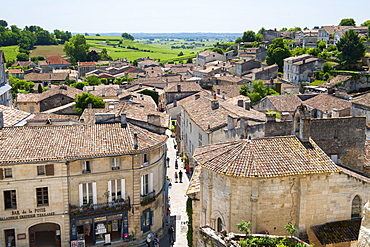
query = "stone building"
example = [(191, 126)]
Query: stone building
[(264, 73), (327, 106), (80, 183), (208, 56), (244, 66), (271, 181), (301, 68), (53, 62), (54, 97)]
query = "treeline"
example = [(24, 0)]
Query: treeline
[(30, 36)]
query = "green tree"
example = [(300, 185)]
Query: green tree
[(80, 85), (76, 48), (3, 23), (327, 67), (92, 56), (190, 60), (22, 57), (93, 80), (257, 92), (20, 86), (350, 48), (347, 22), (83, 101), (244, 227), (366, 23), (39, 88), (249, 36), (283, 29), (103, 55), (321, 44), (180, 54), (277, 52), (127, 36)]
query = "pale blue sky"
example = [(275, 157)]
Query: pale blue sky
[(150, 16)]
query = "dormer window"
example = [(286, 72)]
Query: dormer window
[(86, 166), (115, 164)]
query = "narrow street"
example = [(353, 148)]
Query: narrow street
[(177, 193)]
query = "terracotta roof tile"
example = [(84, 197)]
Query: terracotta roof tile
[(12, 116), (184, 86), (55, 59), (53, 90), (324, 102), (33, 144), (286, 102), (265, 157)]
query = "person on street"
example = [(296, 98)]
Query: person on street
[(156, 241), (180, 176), (150, 239), (171, 230), (176, 164), (168, 162), (176, 177)]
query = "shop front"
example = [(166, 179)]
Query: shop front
[(100, 229)]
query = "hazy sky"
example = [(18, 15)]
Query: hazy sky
[(151, 16)]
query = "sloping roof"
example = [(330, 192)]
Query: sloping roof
[(229, 91), (333, 29), (265, 157), (325, 102), (338, 231), (362, 100), (33, 144), (53, 90), (55, 59), (209, 119), (286, 102), (46, 76), (15, 71), (184, 86), (86, 63), (12, 116), (194, 185)]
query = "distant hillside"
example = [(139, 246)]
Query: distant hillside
[(218, 36)]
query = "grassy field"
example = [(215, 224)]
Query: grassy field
[(10, 52), (157, 49), (42, 50)]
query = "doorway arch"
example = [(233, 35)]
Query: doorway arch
[(44, 235)]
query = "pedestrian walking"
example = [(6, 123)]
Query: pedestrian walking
[(150, 239), (156, 241), (176, 164), (176, 177), (180, 176), (171, 230), (168, 162)]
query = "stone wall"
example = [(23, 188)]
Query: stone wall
[(55, 101), (271, 203)]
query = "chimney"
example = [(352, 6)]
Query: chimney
[(214, 104), (89, 106), (175, 103), (154, 119), (284, 116), (136, 146), (214, 96), (218, 91), (335, 113), (196, 96), (103, 92), (1, 120), (178, 88), (230, 122), (140, 84), (302, 124), (123, 120), (247, 105), (240, 102)]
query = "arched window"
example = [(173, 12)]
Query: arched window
[(356, 207), (219, 224)]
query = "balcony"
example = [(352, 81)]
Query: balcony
[(148, 198), (100, 208)]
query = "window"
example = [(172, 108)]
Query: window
[(146, 160), (5, 173), (32, 109), (146, 220), (146, 184), (115, 164), (10, 199), (87, 193), (219, 224), (356, 207), (40, 170), (47, 170), (116, 189), (334, 158), (200, 139), (9, 237), (86, 166), (42, 196)]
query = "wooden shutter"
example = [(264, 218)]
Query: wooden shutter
[(49, 170), (1, 174), (151, 213)]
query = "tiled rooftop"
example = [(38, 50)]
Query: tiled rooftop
[(325, 102), (286, 103), (53, 90), (12, 116), (338, 231), (45, 76), (184, 86), (33, 144), (265, 157), (55, 59)]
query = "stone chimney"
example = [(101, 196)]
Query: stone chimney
[(136, 146), (1, 120), (103, 92), (214, 104), (230, 122), (178, 88), (247, 105), (154, 119), (123, 120), (240, 102), (335, 113), (302, 122)]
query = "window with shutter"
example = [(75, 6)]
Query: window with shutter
[(146, 220), (86, 166), (115, 164), (49, 170), (10, 199), (1, 174), (40, 170)]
